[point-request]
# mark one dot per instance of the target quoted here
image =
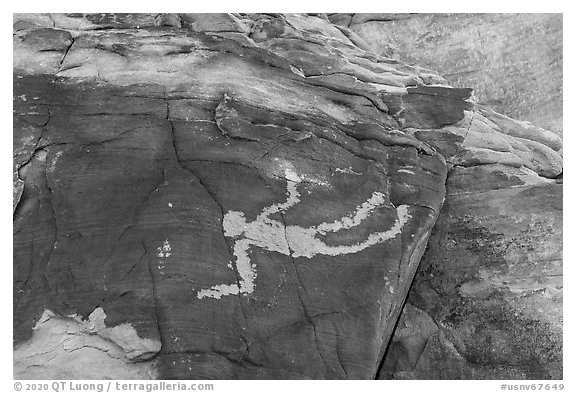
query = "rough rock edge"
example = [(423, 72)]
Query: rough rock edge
[(59, 346)]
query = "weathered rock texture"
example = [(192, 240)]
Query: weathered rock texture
[(246, 196), (489, 288), (512, 61)]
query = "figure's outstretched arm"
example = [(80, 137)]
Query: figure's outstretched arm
[(303, 241), (356, 217)]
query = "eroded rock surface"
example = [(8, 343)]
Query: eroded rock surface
[(489, 287), (70, 348), (512, 61), (231, 195), (257, 214)]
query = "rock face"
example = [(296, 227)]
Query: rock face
[(249, 196), (487, 299), (512, 61), (71, 348)]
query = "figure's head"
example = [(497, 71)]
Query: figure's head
[(234, 223)]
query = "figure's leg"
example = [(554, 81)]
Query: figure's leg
[(246, 273), (246, 270)]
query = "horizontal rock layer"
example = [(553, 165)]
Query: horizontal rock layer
[(512, 61)]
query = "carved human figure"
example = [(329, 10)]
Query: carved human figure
[(272, 235)]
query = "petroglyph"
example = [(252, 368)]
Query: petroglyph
[(272, 235), (164, 252), (348, 170)]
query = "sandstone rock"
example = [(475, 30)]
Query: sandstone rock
[(63, 348), (410, 339), (214, 23), (244, 196), (429, 107), (214, 198), (491, 278), (512, 61)]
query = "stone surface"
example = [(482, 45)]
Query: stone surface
[(215, 195), (240, 195), (66, 348), (490, 281), (512, 61), (491, 277)]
